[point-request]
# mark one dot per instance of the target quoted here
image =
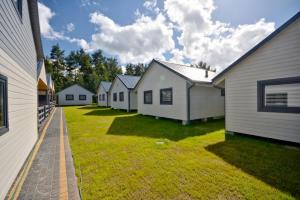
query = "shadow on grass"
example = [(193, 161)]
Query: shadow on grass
[(146, 126), (272, 163), (91, 107), (101, 111)]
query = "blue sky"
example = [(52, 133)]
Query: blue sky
[(216, 31)]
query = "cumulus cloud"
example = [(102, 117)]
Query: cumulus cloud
[(45, 15), (214, 42), (70, 27), (140, 41), (151, 5)]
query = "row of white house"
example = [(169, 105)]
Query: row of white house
[(166, 90), (259, 94)]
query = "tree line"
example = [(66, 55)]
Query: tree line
[(85, 69)]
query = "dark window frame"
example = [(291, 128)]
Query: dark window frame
[(115, 96), (261, 84), (103, 97), (121, 96), (161, 99), (82, 95), (69, 99), (99, 97), (148, 92), (18, 5), (5, 128)]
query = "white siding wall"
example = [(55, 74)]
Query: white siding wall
[(18, 63), (158, 78), (279, 58), (76, 91), (101, 102), (206, 102), (118, 87)]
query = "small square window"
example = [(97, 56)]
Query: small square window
[(3, 105), (121, 96), (115, 96), (148, 97), (82, 97), (69, 97), (166, 96), (279, 95)]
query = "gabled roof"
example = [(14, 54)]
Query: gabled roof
[(106, 85), (187, 72), (129, 81), (77, 86), (264, 41)]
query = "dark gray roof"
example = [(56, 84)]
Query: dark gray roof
[(129, 81), (191, 73), (35, 26), (106, 85), (268, 38)]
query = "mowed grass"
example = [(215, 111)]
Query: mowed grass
[(121, 155)]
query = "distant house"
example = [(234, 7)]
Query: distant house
[(122, 92), (179, 92), (103, 94), (51, 90), (20, 51), (262, 88), (75, 95)]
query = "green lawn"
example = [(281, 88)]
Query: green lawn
[(123, 155)]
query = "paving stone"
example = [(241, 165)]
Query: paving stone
[(42, 181)]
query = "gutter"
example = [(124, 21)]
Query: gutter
[(188, 98)]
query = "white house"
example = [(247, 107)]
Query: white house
[(178, 92), (122, 92), (20, 50), (263, 87), (74, 95), (103, 94)]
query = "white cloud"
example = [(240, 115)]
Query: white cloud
[(45, 15), (70, 27), (90, 3), (151, 5), (214, 42), (140, 41)]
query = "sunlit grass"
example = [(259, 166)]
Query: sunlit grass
[(123, 155)]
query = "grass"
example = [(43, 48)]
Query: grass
[(123, 155)]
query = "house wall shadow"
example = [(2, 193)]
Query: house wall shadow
[(147, 126), (108, 112), (268, 161)]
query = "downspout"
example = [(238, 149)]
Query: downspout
[(188, 98), (128, 100), (106, 99)]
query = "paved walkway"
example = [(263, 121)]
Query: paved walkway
[(52, 174)]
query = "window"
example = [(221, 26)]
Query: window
[(18, 5), (166, 96), (100, 97), (3, 105), (82, 97), (148, 97), (115, 96), (223, 92), (69, 97), (103, 97), (279, 95), (121, 96)]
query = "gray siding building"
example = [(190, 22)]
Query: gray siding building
[(20, 50), (262, 88)]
